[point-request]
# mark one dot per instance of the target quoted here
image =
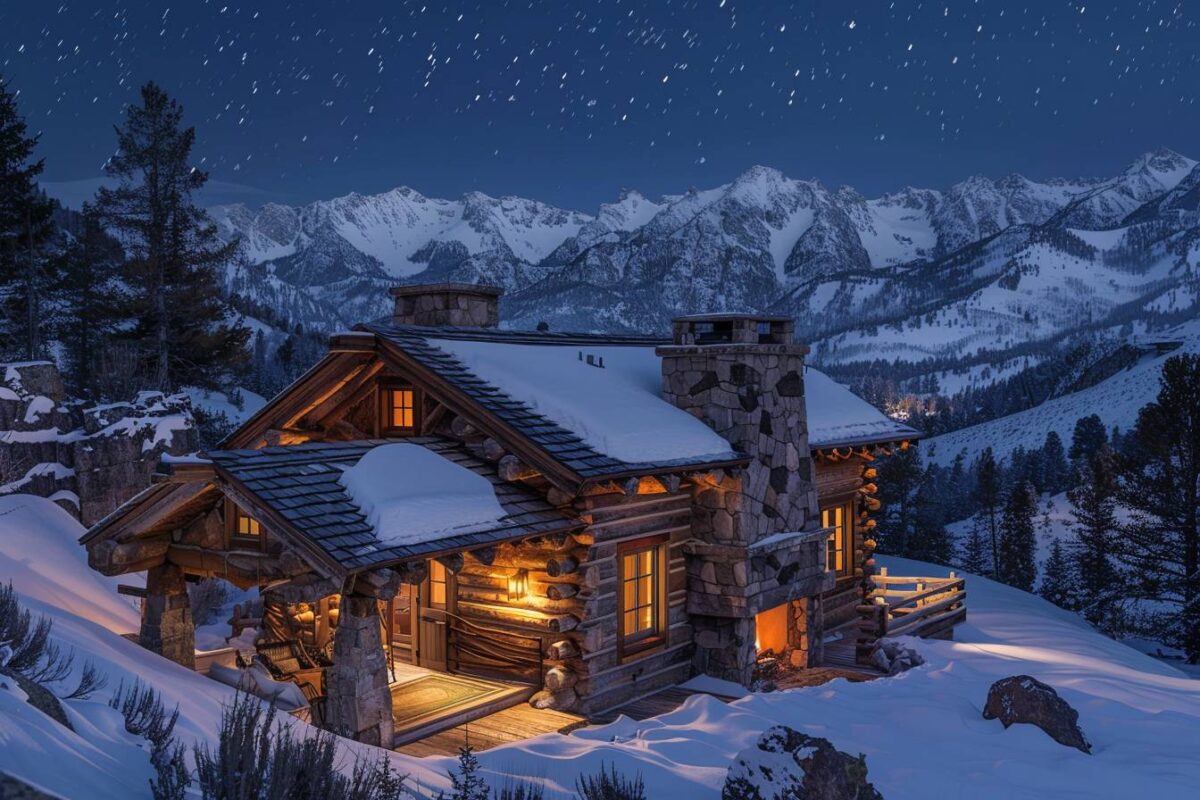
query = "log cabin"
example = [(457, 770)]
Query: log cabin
[(572, 520)]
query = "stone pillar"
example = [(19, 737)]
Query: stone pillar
[(358, 702), (167, 627)]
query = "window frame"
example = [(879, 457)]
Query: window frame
[(386, 388), (233, 514), (847, 507), (656, 638)]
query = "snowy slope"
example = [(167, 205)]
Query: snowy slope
[(922, 732), (1115, 400)]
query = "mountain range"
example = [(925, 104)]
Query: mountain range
[(975, 273)]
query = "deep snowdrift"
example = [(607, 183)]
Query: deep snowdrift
[(922, 732)]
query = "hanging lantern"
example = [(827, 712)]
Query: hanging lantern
[(518, 585)]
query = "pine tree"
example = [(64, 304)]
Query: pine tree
[(185, 326), (25, 226), (1161, 487), (1056, 472), (975, 551), (465, 782), (899, 477), (1058, 585), (1087, 438), (987, 501), (1018, 541), (930, 541), (1093, 504), (88, 297)]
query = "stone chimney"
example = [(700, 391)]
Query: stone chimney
[(463, 305), (757, 545)]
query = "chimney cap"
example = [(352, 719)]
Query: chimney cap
[(435, 288), (723, 316)]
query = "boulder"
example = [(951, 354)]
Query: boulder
[(1022, 698), (788, 765)]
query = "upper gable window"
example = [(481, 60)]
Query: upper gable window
[(243, 527), (400, 409)]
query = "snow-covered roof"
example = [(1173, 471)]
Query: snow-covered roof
[(412, 495), (377, 502), (837, 417), (596, 402), (616, 408)]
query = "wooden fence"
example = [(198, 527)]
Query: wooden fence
[(909, 606)]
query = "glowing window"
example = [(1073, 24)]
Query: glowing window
[(401, 407), (437, 585), (246, 526), (641, 606), (837, 546)]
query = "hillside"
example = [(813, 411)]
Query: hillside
[(922, 732), (1116, 400)]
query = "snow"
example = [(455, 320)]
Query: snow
[(922, 732), (37, 407), (41, 556), (838, 416), (784, 239), (411, 495), (617, 409), (215, 402), (1116, 400)]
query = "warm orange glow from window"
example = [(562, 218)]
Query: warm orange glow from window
[(649, 485), (247, 526), (402, 408), (837, 546), (437, 584), (771, 629), (639, 599)]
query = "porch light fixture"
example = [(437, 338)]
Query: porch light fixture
[(518, 585)]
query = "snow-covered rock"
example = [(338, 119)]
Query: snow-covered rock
[(90, 459), (785, 764)]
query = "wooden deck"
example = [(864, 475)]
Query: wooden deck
[(521, 722), (513, 724)]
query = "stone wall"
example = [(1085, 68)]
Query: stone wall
[(87, 458), (756, 540)]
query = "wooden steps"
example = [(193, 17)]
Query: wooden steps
[(513, 724)]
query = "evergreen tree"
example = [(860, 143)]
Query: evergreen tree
[(1018, 541), (975, 551), (899, 476), (185, 326), (25, 226), (958, 490), (1161, 487), (466, 783), (930, 541), (1058, 584), (1093, 504), (988, 488), (88, 297), (1056, 472), (1087, 438)]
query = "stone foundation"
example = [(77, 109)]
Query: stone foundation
[(167, 627), (358, 702)]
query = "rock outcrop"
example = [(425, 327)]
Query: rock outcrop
[(1022, 698), (788, 765), (87, 458)]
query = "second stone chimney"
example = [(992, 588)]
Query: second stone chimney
[(464, 305)]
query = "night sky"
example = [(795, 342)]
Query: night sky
[(569, 102)]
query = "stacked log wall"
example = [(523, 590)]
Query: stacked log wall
[(609, 680), (841, 481)]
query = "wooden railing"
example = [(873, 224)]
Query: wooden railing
[(909, 606), (476, 648)]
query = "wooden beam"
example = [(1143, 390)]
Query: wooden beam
[(337, 405)]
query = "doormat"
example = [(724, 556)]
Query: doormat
[(431, 696)]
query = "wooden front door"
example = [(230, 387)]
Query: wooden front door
[(435, 598), (403, 613)]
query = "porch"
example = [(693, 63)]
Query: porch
[(909, 606)]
